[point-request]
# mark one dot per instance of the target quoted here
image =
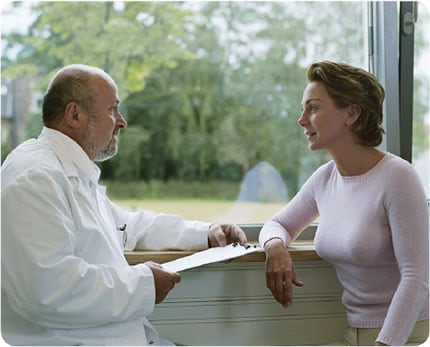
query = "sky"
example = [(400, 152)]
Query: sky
[(15, 20)]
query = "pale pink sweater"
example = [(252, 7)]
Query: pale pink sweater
[(374, 229)]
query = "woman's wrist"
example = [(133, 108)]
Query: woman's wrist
[(271, 240)]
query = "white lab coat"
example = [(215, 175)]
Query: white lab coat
[(65, 280)]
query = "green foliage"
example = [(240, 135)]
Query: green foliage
[(127, 163), (209, 89), (34, 125), (128, 42), (5, 149), (173, 189)]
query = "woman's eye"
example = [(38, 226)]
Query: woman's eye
[(312, 108)]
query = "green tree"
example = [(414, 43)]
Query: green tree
[(127, 41), (209, 89), (181, 108), (265, 80)]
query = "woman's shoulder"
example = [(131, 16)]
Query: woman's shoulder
[(395, 165), (325, 170), (322, 174), (399, 172)]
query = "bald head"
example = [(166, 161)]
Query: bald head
[(72, 83)]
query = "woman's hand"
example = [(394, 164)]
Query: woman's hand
[(280, 274)]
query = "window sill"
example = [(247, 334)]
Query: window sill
[(299, 250)]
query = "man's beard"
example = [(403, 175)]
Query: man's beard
[(89, 143)]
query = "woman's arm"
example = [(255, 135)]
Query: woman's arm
[(407, 213), (278, 233)]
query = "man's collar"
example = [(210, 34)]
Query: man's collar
[(71, 154)]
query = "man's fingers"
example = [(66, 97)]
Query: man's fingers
[(176, 277), (235, 233), (226, 233), (164, 280), (221, 238), (240, 234)]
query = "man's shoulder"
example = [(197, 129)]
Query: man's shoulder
[(29, 158)]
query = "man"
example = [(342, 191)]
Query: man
[(65, 280)]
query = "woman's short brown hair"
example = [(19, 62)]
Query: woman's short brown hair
[(349, 85)]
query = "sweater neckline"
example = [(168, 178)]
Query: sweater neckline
[(368, 173)]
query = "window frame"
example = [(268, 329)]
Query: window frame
[(383, 43)]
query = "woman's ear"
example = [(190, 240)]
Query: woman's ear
[(72, 115), (354, 113)]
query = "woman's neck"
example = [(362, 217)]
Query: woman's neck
[(356, 160)]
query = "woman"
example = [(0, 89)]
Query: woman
[(373, 218)]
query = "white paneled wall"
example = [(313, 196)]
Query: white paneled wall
[(229, 304)]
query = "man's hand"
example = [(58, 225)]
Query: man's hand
[(280, 274), (164, 280), (223, 234)]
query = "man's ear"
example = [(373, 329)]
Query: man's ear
[(72, 115), (354, 113)]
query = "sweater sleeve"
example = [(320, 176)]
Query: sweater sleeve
[(408, 218), (290, 221)]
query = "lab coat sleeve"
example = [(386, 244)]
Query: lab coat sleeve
[(149, 231), (45, 282)]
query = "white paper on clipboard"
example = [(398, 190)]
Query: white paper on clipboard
[(211, 255)]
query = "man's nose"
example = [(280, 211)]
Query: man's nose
[(122, 123)]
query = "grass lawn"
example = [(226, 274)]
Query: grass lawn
[(207, 210)]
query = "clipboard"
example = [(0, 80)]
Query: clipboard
[(211, 255)]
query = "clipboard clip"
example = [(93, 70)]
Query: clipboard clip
[(244, 245)]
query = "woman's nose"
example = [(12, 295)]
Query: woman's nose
[(302, 119)]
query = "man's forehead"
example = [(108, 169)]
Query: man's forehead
[(106, 87)]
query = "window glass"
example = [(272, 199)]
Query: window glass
[(421, 106), (221, 140), (211, 92)]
